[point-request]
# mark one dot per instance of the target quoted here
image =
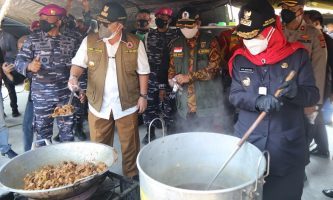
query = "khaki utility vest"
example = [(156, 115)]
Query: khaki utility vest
[(126, 66), (208, 93)]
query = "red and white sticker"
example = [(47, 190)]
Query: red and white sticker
[(178, 49)]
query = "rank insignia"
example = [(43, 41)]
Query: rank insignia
[(246, 81), (203, 45), (52, 12), (284, 65), (91, 64), (105, 11)]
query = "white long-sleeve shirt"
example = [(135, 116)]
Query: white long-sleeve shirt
[(111, 100)]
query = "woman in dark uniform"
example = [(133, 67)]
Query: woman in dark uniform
[(258, 70)]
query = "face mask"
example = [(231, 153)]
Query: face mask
[(142, 23), (287, 16), (45, 26), (256, 46), (103, 32), (189, 32), (107, 35), (160, 23)]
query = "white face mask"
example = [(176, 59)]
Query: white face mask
[(104, 32), (189, 32), (256, 46)]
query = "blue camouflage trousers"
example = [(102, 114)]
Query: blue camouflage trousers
[(157, 108), (44, 103)]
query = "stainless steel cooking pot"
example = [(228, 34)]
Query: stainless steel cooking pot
[(12, 173), (179, 167)]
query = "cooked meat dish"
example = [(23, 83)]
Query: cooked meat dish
[(63, 110), (53, 176)]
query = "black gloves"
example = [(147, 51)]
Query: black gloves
[(267, 103), (289, 89)]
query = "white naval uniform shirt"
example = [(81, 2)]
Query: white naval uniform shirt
[(111, 100)]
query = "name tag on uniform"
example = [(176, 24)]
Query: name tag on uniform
[(203, 51), (246, 70), (304, 41), (131, 51), (95, 50), (263, 91), (178, 54)]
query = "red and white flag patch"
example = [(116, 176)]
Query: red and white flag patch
[(178, 49)]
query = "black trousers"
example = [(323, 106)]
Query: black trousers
[(288, 187), (12, 93), (318, 132)]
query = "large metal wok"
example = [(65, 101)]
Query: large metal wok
[(12, 173)]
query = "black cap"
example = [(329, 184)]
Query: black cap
[(187, 17), (266, 10), (254, 17), (292, 3), (112, 12)]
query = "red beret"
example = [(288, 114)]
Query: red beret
[(164, 11), (53, 10)]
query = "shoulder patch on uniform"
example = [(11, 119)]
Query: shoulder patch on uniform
[(322, 41), (129, 45)]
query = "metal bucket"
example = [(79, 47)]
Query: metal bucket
[(180, 166)]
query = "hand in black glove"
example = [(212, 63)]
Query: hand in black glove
[(289, 89), (267, 103)]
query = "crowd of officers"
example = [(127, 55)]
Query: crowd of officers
[(182, 75)]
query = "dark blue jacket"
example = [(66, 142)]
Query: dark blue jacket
[(281, 133)]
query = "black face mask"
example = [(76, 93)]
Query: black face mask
[(142, 23), (45, 26), (287, 16), (160, 23)]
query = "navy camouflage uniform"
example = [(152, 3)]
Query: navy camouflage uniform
[(49, 84), (80, 108), (158, 52)]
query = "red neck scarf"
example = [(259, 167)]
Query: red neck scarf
[(278, 48)]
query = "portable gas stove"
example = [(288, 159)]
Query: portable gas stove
[(114, 187)]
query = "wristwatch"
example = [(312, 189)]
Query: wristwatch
[(145, 96)]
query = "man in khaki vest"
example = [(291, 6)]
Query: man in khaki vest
[(117, 83)]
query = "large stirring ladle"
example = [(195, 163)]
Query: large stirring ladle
[(248, 132)]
